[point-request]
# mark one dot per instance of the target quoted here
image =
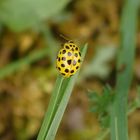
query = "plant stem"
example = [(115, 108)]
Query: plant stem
[(119, 130), (15, 66), (58, 102)]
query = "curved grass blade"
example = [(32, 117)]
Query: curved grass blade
[(57, 105), (119, 128), (15, 66), (51, 108)]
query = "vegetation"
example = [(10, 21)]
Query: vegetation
[(98, 99)]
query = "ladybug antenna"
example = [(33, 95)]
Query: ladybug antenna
[(64, 37)]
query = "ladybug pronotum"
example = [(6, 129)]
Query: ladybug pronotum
[(68, 59)]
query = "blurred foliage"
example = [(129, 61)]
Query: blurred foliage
[(24, 94), (100, 63), (22, 14), (100, 104)]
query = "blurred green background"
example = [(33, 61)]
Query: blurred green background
[(30, 37)]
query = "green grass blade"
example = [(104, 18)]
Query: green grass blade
[(51, 108), (14, 15), (119, 130), (11, 68), (65, 95), (57, 105), (66, 90)]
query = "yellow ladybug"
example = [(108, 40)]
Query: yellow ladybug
[(68, 59)]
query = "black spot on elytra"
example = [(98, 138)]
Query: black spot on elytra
[(58, 58), (63, 58), (72, 71), (69, 62), (70, 45), (76, 54), (66, 70), (79, 53), (59, 68), (72, 49), (79, 60), (64, 51), (76, 48), (69, 53), (62, 65), (77, 67), (60, 52), (67, 47), (63, 74)]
